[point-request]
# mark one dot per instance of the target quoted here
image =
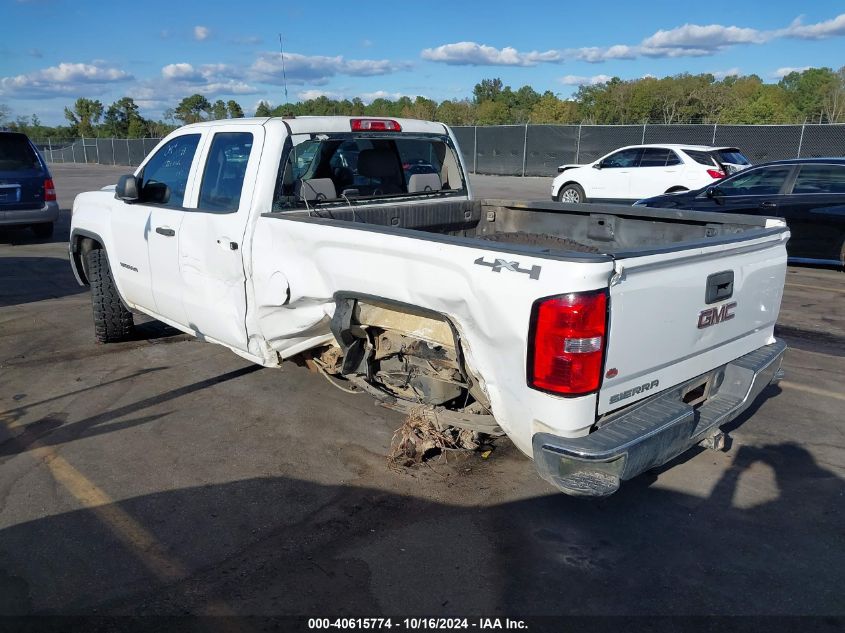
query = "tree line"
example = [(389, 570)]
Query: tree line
[(814, 95)]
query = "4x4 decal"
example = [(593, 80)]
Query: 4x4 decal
[(499, 264)]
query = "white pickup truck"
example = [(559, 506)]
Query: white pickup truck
[(603, 340)]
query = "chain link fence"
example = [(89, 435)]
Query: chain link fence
[(99, 151), (536, 150)]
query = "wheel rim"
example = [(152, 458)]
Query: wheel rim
[(569, 195)]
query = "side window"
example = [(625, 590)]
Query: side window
[(820, 179), (225, 167), (766, 181), (702, 158), (625, 158), (654, 157), (673, 159), (165, 176)]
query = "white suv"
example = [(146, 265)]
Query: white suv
[(632, 173)]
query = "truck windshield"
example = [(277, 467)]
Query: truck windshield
[(347, 168)]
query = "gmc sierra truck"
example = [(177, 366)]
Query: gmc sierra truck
[(602, 340)]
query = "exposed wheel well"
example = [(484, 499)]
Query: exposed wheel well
[(80, 246)]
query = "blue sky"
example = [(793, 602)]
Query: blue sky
[(54, 51)]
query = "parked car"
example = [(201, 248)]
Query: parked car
[(493, 317), (809, 193), (640, 171), (27, 194)]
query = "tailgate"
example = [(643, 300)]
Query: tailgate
[(677, 315)]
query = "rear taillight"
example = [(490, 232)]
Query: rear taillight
[(49, 191), (566, 343), (382, 125), (715, 173)]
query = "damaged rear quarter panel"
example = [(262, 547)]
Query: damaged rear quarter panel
[(490, 309)]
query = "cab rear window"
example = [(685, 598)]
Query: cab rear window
[(16, 153)]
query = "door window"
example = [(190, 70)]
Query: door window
[(225, 168), (656, 157), (165, 176), (757, 182), (625, 158), (820, 179)]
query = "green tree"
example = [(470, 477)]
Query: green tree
[(492, 113), (192, 109), (456, 112), (550, 109), (84, 116), (4, 113), (218, 110), (263, 109), (234, 109), (487, 90), (422, 108), (808, 90), (123, 120)]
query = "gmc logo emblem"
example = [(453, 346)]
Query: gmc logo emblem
[(712, 316)]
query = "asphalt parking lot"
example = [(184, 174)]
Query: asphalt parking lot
[(169, 476)]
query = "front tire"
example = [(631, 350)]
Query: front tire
[(43, 229), (112, 321), (571, 193)]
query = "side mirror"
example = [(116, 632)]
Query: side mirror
[(715, 194), (127, 189), (596, 165)]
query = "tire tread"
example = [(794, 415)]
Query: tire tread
[(112, 321)]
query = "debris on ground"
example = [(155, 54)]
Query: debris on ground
[(421, 438)]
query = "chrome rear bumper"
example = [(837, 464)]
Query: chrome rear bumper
[(655, 431)]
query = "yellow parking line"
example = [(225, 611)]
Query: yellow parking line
[(137, 539), (813, 390), (133, 535), (822, 288)]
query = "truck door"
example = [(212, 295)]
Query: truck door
[(146, 257), (212, 234)]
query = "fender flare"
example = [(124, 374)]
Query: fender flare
[(77, 254)]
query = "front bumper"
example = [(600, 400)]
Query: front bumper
[(651, 433), (22, 217)]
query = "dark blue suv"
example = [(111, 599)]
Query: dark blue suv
[(27, 194)]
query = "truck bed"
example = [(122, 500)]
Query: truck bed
[(579, 231)]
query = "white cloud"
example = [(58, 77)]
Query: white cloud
[(709, 37), (596, 54), (206, 79), (780, 73), (730, 72), (316, 69), (819, 31), (474, 54), (65, 78), (201, 33), (369, 97), (577, 80), (688, 40), (305, 95)]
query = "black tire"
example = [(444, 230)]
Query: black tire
[(112, 321), (572, 193), (43, 229)]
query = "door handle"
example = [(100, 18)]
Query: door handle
[(165, 230), (768, 205)]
